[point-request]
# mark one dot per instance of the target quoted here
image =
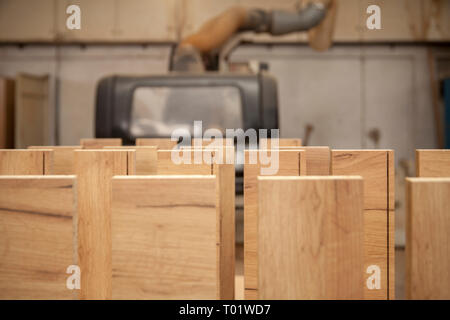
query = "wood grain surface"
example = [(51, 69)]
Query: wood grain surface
[(166, 166), (310, 238), (146, 158), (25, 162), (96, 143), (377, 169), (94, 169), (37, 236), (165, 238), (428, 238), (282, 142), (432, 163), (291, 163), (159, 143), (63, 158)]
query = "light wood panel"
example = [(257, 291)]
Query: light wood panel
[(63, 158), (291, 163), (318, 159), (100, 143), (26, 162), (282, 142), (146, 158), (6, 113), (166, 238), (432, 163), (37, 236), (32, 111), (167, 166), (377, 169), (160, 143), (428, 238), (94, 171), (225, 189), (310, 238)]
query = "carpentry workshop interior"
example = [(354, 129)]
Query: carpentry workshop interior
[(224, 150)]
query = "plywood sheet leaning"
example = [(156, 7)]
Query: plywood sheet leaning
[(100, 143), (32, 111), (26, 162), (160, 143), (63, 158), (428, 239), (310, 237), (282, 142), (165, 238), (37, 236), (377, 169), (94, 169), (200, 161), (146, 158), (291, 163), (432, 163)]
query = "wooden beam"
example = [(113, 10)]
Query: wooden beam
[(428, 238), (100, 143), (310, 238), (377, 169), (291, 163), (37, 236), (26, 162), (94, 171), (166, 238), (432, 163)]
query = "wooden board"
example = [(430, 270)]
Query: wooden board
[(225, 188), (37, 236), (199, 142), (160, 143), (94, 171), (100, 143), (166, 166), (7, 88), (432, 163), (318, 159), (428, 238), (63, 158), (146, 158), (25, 162), (291, 163), (310, 238), (282, 142), (377, 169), (32, 111), (165, 238)]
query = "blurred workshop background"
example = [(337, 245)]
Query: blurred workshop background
[(372, 89)]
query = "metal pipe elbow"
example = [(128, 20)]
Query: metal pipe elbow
[(284, 22)]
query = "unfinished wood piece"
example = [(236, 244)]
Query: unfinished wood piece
[(432, 163), (32, 111), (146, 158), (310, 238), (160, 143), (100, 143), (26, 162), (37, 236), (291, 163), (318, 159), (200, 142), (7, 88), (377, 169), (165, 238), (94, 171), (282, 142), (63, 158), (428, 239), (200, 162), (225, 189)]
